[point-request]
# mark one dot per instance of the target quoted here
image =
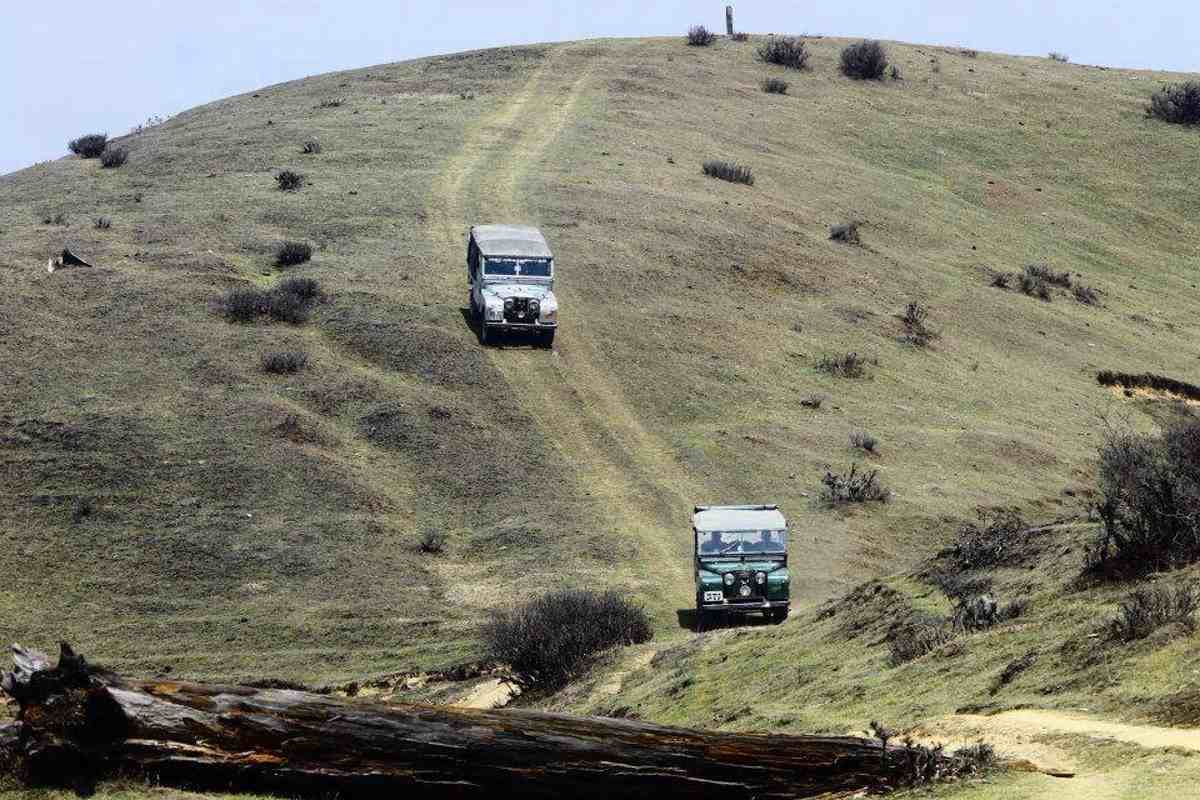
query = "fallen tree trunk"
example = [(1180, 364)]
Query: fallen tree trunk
[(78, 724)]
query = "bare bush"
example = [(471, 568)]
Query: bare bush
[(740, 36), (1149, 380), (1085, 294), (988, 542), (866, 60), (243, 305), (103, 223), (916, 331), (1061, 58), (1150, 501), (846, 365), (549, 640), (853, 487), (700, 36), (812, 401), (1149, 608), (729, 171), (786, 51), (311, 148), (918, 637), (1178, 103)]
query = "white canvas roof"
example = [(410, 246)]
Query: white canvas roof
[(738, 518), (519, 241)]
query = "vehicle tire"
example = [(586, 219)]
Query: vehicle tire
[(548, 338), (778, 615), (483, 332)]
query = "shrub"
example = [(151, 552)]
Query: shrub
[(288, 302), (740, 36), (1044, 273), (1178, 103), (785, 51), (89, 146), (333, 102), (1034, 286), (1150, 501), (1002, 280), (846, 232), (1147, 609), (853, 487), (863, 441), (848, 365), (812, 401), (57, 218), (114, 157), (895, 71), (775, 86), (311, 148), (1085, 294), (977, 612), (286, 307), (550, 639), (243, 305), (1059, 57), (284, 363), (700, 36), (290, 254), (969, 53), (920, 636), (866, 60), (103, 223), (306, 289), (289, 181), (433, 541), (728, 171)]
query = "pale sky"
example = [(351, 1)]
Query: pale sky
[(69, 67)]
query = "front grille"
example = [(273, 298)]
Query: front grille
[(743, 578), (519, 311)]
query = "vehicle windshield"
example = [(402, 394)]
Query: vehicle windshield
[(717, 543), (532, 267)]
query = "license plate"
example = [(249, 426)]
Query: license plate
[(713, 597)]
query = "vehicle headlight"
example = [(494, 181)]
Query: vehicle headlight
[(533, 308), (760, 578), (508, 304), (729, 579)]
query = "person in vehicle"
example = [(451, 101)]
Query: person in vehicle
[(713, 544)]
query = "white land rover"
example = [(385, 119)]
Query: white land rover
[(511, 271)]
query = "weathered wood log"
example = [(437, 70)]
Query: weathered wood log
[(78, 724)]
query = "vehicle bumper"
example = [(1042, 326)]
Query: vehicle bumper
[(758, 605), (521, 326)]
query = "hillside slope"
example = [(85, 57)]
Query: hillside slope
[(168, 505)]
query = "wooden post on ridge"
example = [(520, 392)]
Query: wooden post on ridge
[(729, 20)]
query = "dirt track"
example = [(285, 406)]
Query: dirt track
[(629, 475)]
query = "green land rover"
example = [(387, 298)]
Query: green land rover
[(741, 560)]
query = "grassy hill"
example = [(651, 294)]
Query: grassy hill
[(167, 505)]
